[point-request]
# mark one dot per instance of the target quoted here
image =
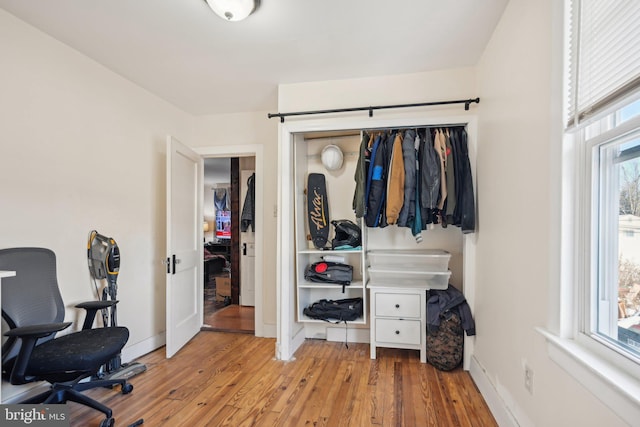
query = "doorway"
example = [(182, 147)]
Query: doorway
[(226, 265)]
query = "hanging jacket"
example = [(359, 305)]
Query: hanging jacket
[(249, 208), (387, 150), (440, 147), (457, 173), (466, 199), (407, 213), (430, 177), (416, 223), (376, 182), (395, 181), (450, 203), (440, 305), (360, 177)]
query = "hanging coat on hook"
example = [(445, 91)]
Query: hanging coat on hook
[(249, 208)]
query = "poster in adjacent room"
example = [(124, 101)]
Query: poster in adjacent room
[(223, 224)]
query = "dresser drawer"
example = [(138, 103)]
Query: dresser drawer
[(398, 305), (398, 331)]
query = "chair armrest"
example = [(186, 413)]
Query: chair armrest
[(92, 308), (97, 305), (29, 335), (37, 331)]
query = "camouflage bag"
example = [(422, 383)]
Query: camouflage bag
[(445, 345)]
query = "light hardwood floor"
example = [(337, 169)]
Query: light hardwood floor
[(233, 380)]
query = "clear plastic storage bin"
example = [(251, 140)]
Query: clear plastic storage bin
[(434, 260), (409, 277)]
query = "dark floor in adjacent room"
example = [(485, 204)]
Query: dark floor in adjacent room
[(224, 317)]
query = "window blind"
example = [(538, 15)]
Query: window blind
[(605, 55)]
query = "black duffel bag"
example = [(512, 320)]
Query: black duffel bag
[(329, 272), (341, 310)]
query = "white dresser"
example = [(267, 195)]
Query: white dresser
[(398, 284)]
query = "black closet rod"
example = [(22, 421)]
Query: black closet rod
[(466, 103)]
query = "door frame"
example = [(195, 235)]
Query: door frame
[(247, 150)]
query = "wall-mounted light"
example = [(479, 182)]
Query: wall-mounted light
[(233, 10)]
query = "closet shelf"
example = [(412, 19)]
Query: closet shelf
[(304, 318), (329, 251), (310, 285)]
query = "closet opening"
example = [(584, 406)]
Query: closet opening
[(301, 145), (228, 261)]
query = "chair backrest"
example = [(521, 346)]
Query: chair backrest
[(32, 296)]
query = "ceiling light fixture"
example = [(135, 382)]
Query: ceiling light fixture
[(233, 10)]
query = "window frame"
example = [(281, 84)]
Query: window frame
[(610, 376), (590, 206)]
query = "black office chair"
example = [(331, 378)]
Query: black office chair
[(33, 309)]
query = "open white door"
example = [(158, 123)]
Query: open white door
[(184, 242), (247, 251)]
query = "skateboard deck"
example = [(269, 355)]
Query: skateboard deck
[(318, 209)]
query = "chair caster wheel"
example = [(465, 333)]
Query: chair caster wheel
[(108, 422), (127, 388)]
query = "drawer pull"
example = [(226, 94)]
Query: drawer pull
[(397, 305), (397, 332)]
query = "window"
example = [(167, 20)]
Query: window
[(613, 297), (603, 117)]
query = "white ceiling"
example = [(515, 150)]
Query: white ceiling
[(184, 53)]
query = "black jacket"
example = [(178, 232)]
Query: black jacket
[(376, 182), (248, 216)]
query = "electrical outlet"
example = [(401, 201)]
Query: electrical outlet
[(528, 379)]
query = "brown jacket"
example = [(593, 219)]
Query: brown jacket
[(395, 181)]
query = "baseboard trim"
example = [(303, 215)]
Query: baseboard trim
[(132, 352), (269, 331), (17, 393), (296, 342), (498, 409)]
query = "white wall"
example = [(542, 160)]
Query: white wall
[(82, 149), (250, 129), (519, 144), (388, 90)]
